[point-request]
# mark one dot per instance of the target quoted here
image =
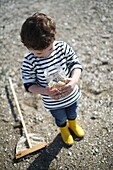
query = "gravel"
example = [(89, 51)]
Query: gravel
[(88, 27)]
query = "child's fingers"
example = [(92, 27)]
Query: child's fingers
[(47, 88), (51, 89), (65, 88)]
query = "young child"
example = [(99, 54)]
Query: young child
[(38, 35)]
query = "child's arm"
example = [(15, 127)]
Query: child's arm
[(35, 89), (53, 93), (75, 68), (75, 75), (71, 82)]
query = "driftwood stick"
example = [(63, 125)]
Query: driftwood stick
[(20, 114), (30, 150)]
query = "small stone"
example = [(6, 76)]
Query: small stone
[(69, 153)]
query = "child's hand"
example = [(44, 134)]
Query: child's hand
[(53, 93), (68, 88), (65, 90)]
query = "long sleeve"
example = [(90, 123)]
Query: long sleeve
[(72, 60), (28, 73)]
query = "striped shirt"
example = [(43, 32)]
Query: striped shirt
[(33, 69)]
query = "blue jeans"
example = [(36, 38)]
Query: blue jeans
[(61, 115)]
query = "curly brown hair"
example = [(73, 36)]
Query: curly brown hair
[(38, 31)]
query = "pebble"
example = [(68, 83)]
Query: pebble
[(69, 153)]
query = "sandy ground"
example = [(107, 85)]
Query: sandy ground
[(88, 27)]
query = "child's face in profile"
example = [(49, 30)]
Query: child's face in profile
[(43, 53)]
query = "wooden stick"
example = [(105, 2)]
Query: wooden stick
[(20, 114), (30, 150)]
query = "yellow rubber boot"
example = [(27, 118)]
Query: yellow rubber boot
[(66, 136), (78, 131)]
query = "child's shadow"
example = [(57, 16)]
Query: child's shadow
[(47, 154)]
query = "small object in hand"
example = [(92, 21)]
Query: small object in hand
[(55, 77), (58, 84)]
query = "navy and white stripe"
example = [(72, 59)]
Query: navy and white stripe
[(33, 72)]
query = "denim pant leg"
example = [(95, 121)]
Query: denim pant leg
[(71, 111), (60, 116)]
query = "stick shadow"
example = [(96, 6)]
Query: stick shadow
[(11, 104), (15, 116)]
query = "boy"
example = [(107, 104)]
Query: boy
[(38, 35)]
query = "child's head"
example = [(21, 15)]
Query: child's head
[(38, 31)]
